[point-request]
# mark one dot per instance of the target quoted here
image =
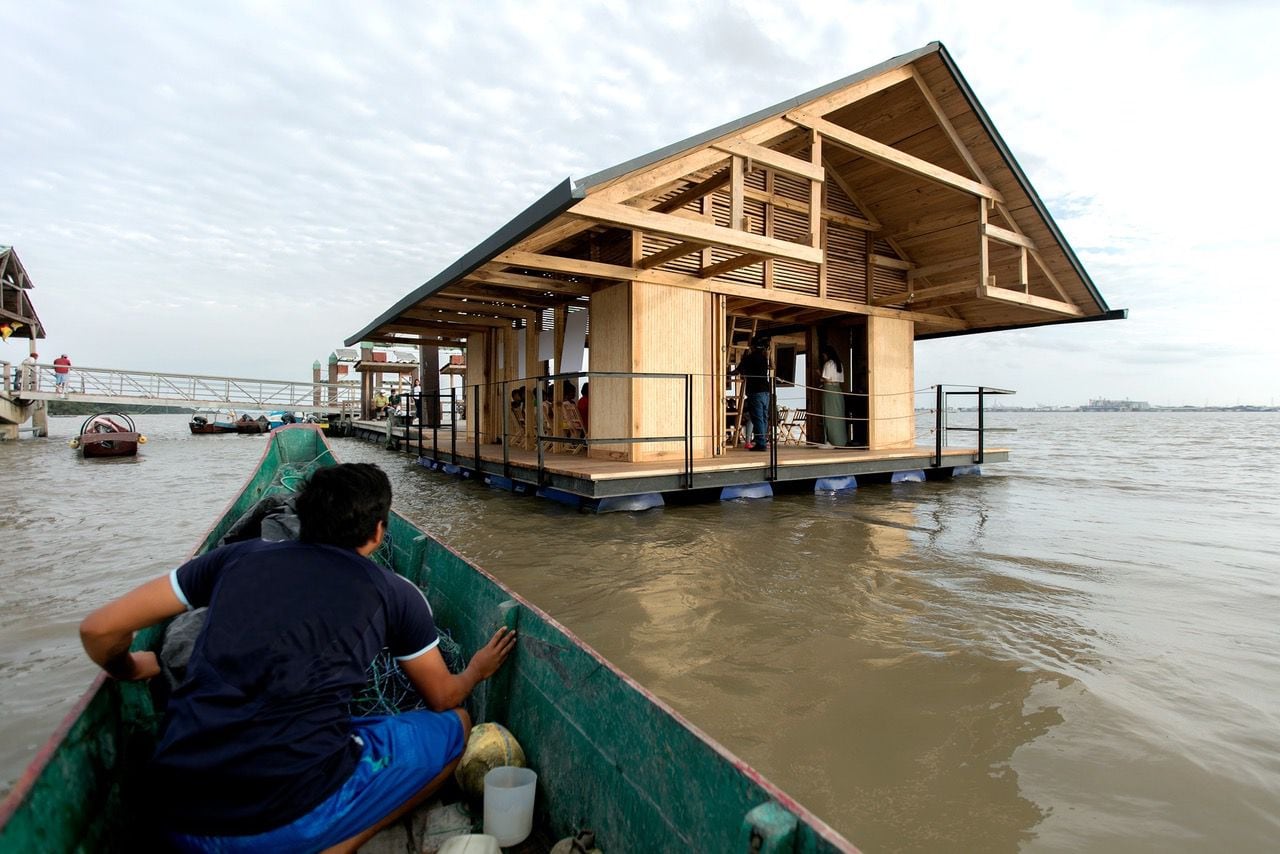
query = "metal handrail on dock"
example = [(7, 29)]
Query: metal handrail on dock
[(111, 385), (941, 428)]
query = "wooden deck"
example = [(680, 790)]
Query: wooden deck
[(588, 478)]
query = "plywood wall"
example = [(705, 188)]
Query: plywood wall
[(891, 358), (672, 333), (610, 414), (478, 352)]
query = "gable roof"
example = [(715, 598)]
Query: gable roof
[(942, 113), (15, 296)]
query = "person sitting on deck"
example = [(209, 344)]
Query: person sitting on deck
[(380, 403), (257, 751)]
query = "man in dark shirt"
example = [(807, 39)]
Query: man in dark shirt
[(257, 751), (755, 368)]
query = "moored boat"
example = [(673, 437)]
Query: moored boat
[(609, 755), (108, 434), (248, 423), (211, 421)]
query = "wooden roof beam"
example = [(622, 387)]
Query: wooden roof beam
[(681, 249), (892, 157), (453, 317), (472, 305), (613, 272), (728, 265), (413, 325), (528, 302), (488, 276), (415, 342), (693, 230), (1031, 301), (693, 193), (914, 295), (773, 159)]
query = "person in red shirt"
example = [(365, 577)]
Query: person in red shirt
[(61, 367)]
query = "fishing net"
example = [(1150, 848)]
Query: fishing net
[(389, 692)]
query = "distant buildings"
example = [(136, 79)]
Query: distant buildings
[(1104, 405)]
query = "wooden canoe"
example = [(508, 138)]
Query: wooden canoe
[(610, 756)]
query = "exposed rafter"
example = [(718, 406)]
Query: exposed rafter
[(892, 157), (686, 229), (596, 269)]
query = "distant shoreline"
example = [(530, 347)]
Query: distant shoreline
[(1149, 409)]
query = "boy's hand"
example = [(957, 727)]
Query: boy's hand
[(489, 657)]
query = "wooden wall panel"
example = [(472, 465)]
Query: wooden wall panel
[(891, 358), (671, 334), (610, 414), (479, 363)]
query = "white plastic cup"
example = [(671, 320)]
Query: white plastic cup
[(508, 803)]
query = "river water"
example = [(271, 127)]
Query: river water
[(1076, 651)]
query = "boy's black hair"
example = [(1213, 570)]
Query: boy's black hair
[(342, 505)]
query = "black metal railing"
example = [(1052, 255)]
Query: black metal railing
[(941, 428)]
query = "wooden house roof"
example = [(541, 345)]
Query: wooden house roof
[(16, 310), (923, 214)]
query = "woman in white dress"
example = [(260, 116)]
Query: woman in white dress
[(837, 429)]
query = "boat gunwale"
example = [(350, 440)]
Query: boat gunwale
[(45, 754)]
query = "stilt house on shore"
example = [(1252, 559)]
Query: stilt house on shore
[(871, 213)]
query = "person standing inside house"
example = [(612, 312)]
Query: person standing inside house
[(754, 367), (837, 432), (61, 367)]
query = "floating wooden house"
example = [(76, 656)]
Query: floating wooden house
[(869, 214)]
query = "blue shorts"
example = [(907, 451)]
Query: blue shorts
[(400, 754)]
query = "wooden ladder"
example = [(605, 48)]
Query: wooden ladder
[(742, 331)]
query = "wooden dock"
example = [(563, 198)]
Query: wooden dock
[(594, 479)]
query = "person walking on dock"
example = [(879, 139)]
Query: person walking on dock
[(258, 750), (61, 367)]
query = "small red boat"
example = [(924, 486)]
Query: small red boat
[(108, 434)]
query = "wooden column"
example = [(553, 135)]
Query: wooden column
[(429, 377)]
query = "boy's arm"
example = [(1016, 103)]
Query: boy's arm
[(107, 633), (444, 690)]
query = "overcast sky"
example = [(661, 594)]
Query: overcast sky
[(234, 188)]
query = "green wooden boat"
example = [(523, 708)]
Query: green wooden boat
[(610, 756)]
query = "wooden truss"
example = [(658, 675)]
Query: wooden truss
[(763, 215)]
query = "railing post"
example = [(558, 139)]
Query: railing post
[(453, 432), (537, 435), (475, 432), (981, 420), (506, 432), (772, 424), (688, 431), (938, 426)]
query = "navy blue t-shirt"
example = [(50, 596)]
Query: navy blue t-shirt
[(258, 734)]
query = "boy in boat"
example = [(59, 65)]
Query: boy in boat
[(257, 751)]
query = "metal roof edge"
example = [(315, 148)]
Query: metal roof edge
[(1021, 176), (778, 109), (1111, 314), (555, 202)]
